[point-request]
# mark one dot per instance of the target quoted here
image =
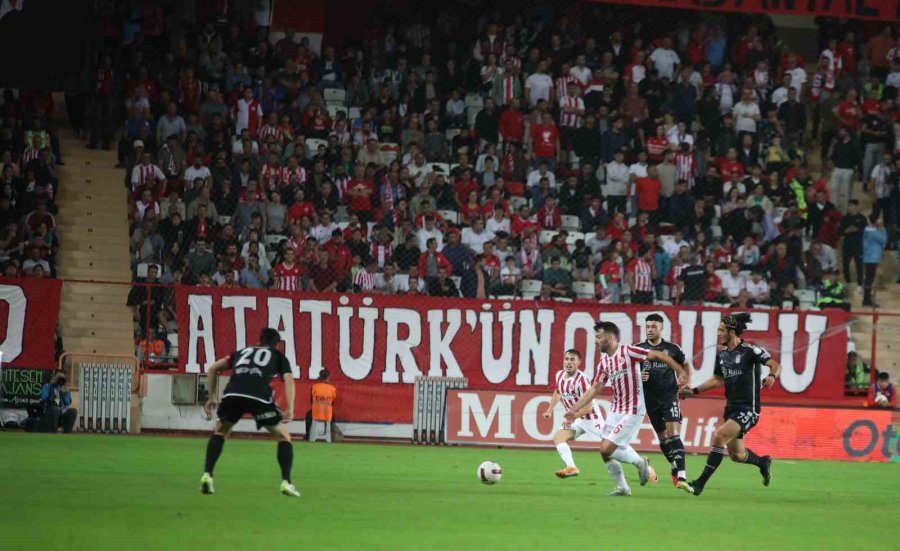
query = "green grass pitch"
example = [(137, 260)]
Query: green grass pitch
[(97, 493)]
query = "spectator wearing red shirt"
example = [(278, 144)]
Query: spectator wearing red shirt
[(512, 124), (432, 260), (543, 142), (657, 145), (848, 111), (464, 186), (549, 216), (360, 191), (322, 276), (340, 257), (301, 208), (846, 50), (729, 164), (648, 193), (521, 220), (616, 227)]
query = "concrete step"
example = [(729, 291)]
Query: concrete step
[(95, 331), (93, 345)]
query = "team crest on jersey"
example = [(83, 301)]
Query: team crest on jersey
[(737, 358)]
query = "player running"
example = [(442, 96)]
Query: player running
[(620, 365), (571, 384), (738, 366), (248, 391), (661, 398)]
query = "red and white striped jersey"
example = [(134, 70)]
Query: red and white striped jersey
[(31, 153), (286, 173), (247, 114), (269, 130), (381, 253), (507, 89), (146, 175), (340, 184), (684, 167), (288, 278), (570, 119), (364, 280), (623, 371), (270, 176), (643, 276), (562, 84), (571, 389)]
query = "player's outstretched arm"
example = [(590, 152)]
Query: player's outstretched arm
[(289, 389), (553, 401), (775, 368), (709, 384), (656, 355), (585, 399), (212, 384)]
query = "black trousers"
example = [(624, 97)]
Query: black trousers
[(852, 254), (871, 269), (616, 203)]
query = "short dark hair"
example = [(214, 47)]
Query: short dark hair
[(607, 327), (324, 374), (655, 317), (573, 352), (269, 337), (884, 376)]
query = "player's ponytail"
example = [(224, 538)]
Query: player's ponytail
[(737, 322)]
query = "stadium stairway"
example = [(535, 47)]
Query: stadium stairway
[(93, 227)]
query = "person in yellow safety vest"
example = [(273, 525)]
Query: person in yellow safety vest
[(857, 376), (322, 398), (832, 293), (800, 194)]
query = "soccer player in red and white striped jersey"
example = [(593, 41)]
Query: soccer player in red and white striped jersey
[(569, 385), (620, 365), (287, 274)]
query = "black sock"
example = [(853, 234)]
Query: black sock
[(752, 458), (712, 463), (285, 459), (666, 447), (213, 451), (676, 448)]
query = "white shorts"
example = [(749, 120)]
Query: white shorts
[(621, 428), (584, 426)]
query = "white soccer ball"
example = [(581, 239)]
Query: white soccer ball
[(881, 399), (489, 472)]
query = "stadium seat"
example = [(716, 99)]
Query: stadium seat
[(546, 236), (143, 266), (355, 113), (379, 280), (335, 95), (563, 299), (572, 238), (342, 214), (173, 344), (390, 151), (807, 298), (505, 297), (273, 242), (716, 232), (516, 202), (665, 239), (474, 100), (441, 168), (583, 289), (471, 113), (343, 224), (529, 296), (451, 133), (224, 220), (778, 214), (531, 286), (449, 216), (334, 109), (662, 302), (571, 223), (312, 146)]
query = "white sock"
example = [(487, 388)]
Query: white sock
[(682, 474), (628, 455), (565, 452), (614, 468)]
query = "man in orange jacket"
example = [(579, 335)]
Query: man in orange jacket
[(321, 411)]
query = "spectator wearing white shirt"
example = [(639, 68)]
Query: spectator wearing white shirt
[(498, 222), (197, 170), (534, 177), (746, 114), (539, 86), (617, 180), (757, 288), (665, 60), (323, 230), (780, 95), (748, 253), (733, 283), (581, 71), (674, 246), (475, 237), (427, 232), (798, 75)]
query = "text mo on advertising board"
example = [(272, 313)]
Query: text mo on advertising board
[(375, 346), (499, 418)]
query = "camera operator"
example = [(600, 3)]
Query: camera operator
[(56, 401)]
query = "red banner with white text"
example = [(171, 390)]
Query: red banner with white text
[(882, 10), (29, 309), (375, 346), (514, 419)]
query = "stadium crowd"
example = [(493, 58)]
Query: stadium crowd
[(556, 156), (29, 152)]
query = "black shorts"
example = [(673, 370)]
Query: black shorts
[(642, 297), (663, 408), (743, 416), (233, 408)]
